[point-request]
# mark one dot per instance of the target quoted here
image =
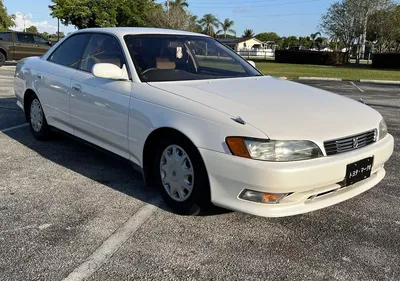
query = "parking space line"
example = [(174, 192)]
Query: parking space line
[(14, 128), (358, 88), (112, 244)]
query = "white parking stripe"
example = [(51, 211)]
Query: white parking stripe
[(112, 244), (354, 84), (14, 128)]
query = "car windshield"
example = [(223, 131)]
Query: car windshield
[(179, 57)]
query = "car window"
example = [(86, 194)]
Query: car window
[(102, 49), (209, 56), (25, 38), (70, 53), (40, 40), (181, 57), (6, 36)]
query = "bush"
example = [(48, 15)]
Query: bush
[(311, 57), (386, 60)]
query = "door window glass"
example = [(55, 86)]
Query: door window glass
[(102, 49), (25, 38), (5, 36), (40, 40), (71, 51)]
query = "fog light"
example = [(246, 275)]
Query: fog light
[(262, 197)]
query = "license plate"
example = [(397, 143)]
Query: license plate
[(359, 171)]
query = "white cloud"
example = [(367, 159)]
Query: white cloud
[(42, 26)]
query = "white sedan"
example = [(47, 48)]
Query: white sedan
[(202, 124)]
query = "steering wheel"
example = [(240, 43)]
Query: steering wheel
[(149, 69)]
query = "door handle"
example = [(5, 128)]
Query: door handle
[(39, 76), (77, 88), (17, 44)]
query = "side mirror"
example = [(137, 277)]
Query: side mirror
[(50, 43), (252, 63), (110, 71)]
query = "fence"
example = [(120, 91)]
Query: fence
[(257, 54)]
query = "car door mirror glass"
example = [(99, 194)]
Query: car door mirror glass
[(110, 71)]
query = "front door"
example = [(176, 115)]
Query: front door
[(24, 46), (42, 45), (99, 107)]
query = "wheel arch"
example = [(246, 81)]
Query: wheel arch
[(148, 151), (29, 93), (4, 52)]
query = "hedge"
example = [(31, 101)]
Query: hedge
[(311, 57), (386, 60)]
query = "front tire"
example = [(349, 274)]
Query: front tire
[(37, 120), (181, 176), (2, 59)]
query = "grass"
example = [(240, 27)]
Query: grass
[(348, 72)]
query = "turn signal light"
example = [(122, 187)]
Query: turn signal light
[(237, 147), (262, 197)]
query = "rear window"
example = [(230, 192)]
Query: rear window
[(5, 36)]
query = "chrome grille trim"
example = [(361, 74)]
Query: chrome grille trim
[(350, 143)]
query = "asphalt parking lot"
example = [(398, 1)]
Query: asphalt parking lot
[(68, 210)]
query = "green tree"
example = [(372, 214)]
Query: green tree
[(268, 36), (208, 22), (384, 29), (138, 13), (103, 13), (32, 29), (85, 13), (45, 35), (248, 33), (226, 27), (6, 20)]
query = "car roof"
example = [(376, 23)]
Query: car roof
[(122, 31)]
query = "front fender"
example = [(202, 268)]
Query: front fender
[(152, 108)]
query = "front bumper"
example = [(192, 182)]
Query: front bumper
[(313, 184)]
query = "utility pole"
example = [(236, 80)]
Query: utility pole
[(24, 18), (58, 29)]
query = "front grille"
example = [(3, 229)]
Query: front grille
[(350, 143)]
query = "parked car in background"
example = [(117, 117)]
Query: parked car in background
[(18, 45), (202, 124)]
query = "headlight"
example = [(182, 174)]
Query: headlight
[(383, 130), (273, 150)]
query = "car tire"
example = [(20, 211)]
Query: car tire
[(182, 178), (2, 59), (37, 120)]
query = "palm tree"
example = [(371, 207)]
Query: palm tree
[(208, 22), (314, 38), (248, 33), (226, 27), (177, 3)]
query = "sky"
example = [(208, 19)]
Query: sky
[(285, 17)]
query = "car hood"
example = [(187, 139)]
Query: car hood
[(281, 109)]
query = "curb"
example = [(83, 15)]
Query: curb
[(320, 79), (380, 82)]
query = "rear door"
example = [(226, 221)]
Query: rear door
[(55, 80), (24, 46), (42, 45)]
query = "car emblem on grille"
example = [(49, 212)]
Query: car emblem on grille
[(355, 142)]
